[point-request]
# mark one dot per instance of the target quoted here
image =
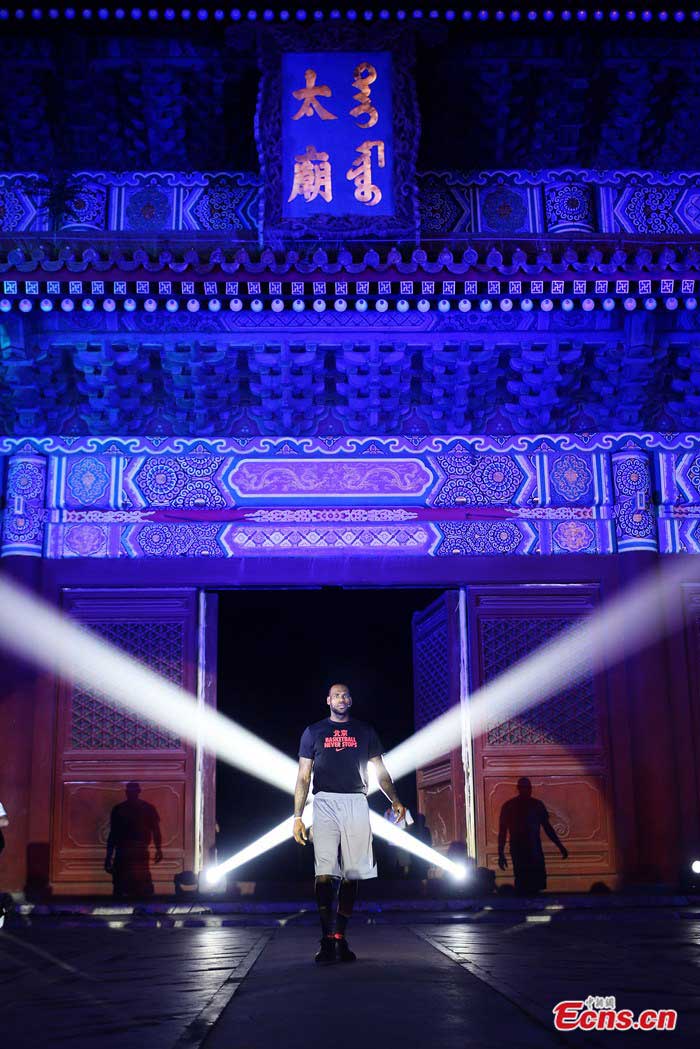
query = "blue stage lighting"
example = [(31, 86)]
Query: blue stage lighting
[(109, 305), (691, 303), (506, 305), (193, 305), (340, 305), (402, 306), (277, 305), (444, 305), (465, 305), (486, 305), (5, 305), (214, 305), (235, 305), (526, 304), (547, 305), (46, 305), (130, 305), (608, 304), (172, 306), (25, 305), (320, 305), (298, 306), (423, 305), (671, 303), (361, 305), (88, 305), (67, 305), (588, 305), (256, 305), (381, 305), (650, 303)]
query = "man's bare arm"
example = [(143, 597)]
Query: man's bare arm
[(301, 792), (386, 784)]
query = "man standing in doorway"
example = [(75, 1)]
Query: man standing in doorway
[(337, 749)]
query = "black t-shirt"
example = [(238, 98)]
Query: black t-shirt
[(340, 752)]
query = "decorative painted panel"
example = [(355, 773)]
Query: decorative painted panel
[(429, 496), (453, 205)]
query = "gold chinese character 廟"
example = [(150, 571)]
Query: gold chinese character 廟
[(361, 173), (312, 176), (308, 96), (364, 76)]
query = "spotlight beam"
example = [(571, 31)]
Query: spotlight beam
[(43, 636), (381, 827), (640, 615)]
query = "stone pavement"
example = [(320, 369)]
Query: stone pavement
[(486, 977)]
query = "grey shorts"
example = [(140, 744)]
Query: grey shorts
[(341, 824)]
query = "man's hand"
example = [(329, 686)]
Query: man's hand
[(4, 822), (399, 811), (300, 835), (158, 856), (564, 852), (502, 861)]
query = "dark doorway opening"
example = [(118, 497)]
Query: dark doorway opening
[(279, 650)]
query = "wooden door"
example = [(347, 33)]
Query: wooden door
[(436, 682), (99, 747), (561, 744)]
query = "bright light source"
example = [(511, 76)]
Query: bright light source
[(282, 832), (695, 866)]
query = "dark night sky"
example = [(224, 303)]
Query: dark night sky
[(279, 650)]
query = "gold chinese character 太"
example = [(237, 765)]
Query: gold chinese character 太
[(308, 96), (312, 176), (361, 173), (364, 75)]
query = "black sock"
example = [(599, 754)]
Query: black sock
[(325, 894), (346, 899)]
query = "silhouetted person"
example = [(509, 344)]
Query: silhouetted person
[(132, 826), (521, 820)]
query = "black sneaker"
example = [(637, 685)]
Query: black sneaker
[(342, 951), (326, 954)]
